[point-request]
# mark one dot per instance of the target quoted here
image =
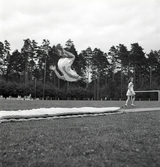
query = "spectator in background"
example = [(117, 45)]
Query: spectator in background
[(130, 92)]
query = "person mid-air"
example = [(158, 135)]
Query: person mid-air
[(64, 65)]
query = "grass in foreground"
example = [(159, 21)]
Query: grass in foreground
[(114, 140)]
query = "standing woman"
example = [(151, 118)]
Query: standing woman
[(130, 92)]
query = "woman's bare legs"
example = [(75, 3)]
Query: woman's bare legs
[(132, 100), (128, 98)]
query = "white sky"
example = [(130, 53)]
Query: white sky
[(95, 23)]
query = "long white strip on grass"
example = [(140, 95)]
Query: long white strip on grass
[(55, 111)]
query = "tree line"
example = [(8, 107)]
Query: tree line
[(105, 75)]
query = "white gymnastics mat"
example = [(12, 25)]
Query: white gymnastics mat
[(51, 112)]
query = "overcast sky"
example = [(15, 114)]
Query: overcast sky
[(95, 23)]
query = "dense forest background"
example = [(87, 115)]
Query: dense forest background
[(105, 75)]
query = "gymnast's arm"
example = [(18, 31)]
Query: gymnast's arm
[(57, 73)]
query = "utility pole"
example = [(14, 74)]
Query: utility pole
[(45, 48), (44, 80), (98, 80)]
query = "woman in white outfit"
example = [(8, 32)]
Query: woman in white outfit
[(130, 92), (64, 65)]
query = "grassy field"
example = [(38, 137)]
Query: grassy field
[(23, 105), (130, 139)]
